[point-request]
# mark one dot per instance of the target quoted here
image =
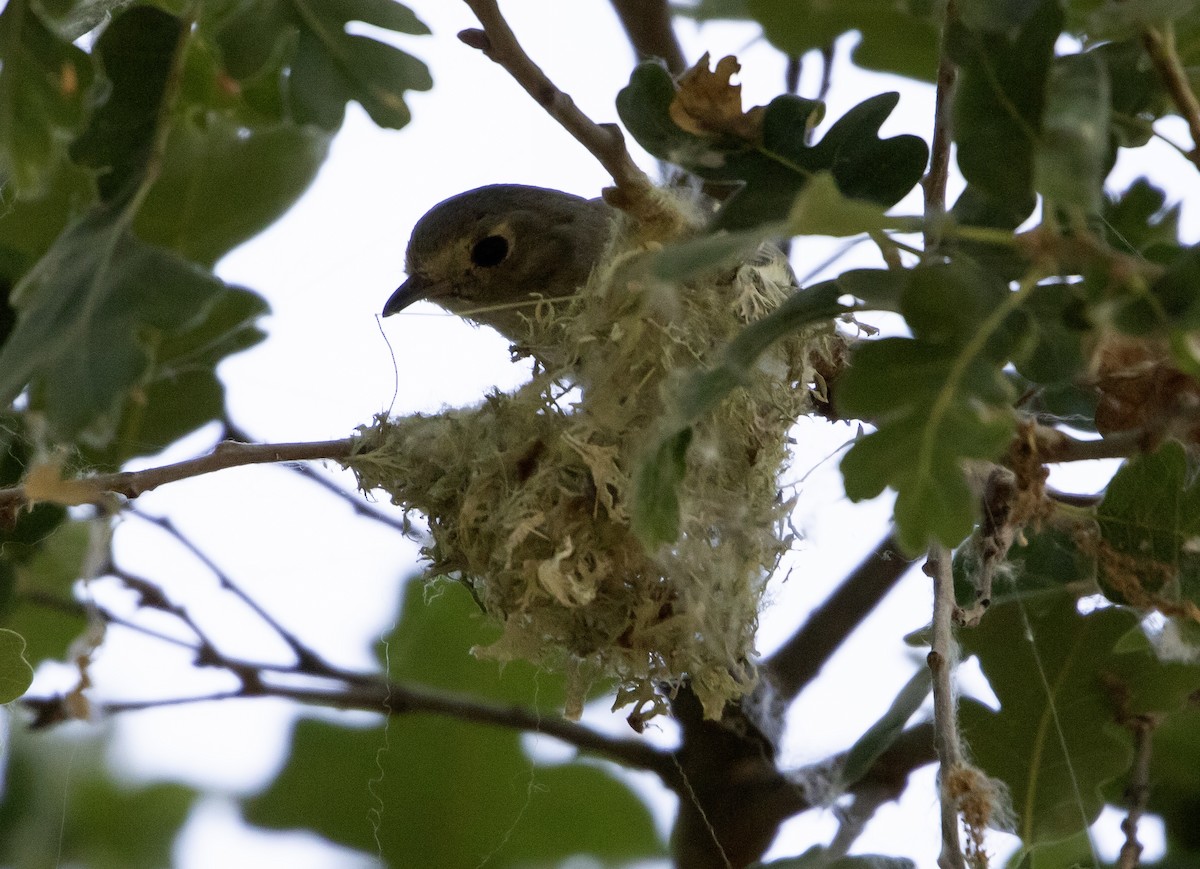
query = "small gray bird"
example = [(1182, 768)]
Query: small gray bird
[(490, 254)]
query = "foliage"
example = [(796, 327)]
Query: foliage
[(427, 767), (140, 142)]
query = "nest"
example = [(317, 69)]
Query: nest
[(528, 494)]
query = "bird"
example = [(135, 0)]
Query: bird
[(491, 254)]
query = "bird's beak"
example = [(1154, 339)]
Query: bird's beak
[(415, 289)]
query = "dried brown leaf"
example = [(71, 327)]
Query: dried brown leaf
[(708, 104)]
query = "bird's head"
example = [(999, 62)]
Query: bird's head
[(490, 254)]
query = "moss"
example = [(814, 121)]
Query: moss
[(527, 495)]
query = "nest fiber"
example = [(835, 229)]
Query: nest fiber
[(528, 494)]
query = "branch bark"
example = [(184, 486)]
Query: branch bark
[(647, 23), (130, 484), (606, 142), (798, 661), (935, 180), (1137, 792), (942, 657), (1160, 45)]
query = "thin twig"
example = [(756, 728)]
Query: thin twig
[(942, 657), (1160, 45), (796, 663), (791, 73), (827, 56), (395, 699), (1137, 792), (131, 484), (307, 659), (354, 499), (605, 141), (647, 23), (997, 531), (358, 505), (1054, 446), (939, 153)]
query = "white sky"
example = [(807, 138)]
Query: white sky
[(327, 269)]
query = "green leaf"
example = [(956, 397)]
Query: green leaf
[(1139, 219), (46, 87), (703, 390), (1071, 159), (426, 772), (1138, 95), (998, 103), (822, 209), (28, 227), (1050, 699), (16, 675), (921, 460), (879, 737), (1171, 305), (1113, 20), (49, 572), (328, 66), (1071, 693), (936, 399), (1057, 322), (57, 790), (1049, 559), (975, 207), (817, 857), (686, 259), (1175, 793), (656, 498), (776, 168), (137, 51), (1150, 521), (222, 182), (75, 18), (89, 315), (659, 475), (988, 15), (1074, 852), (183, 391), (898, 37)]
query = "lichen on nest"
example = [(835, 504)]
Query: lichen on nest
[(528, 495)]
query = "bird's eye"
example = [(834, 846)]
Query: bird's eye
[(490, 251)]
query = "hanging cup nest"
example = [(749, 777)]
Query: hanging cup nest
[(528, 494)]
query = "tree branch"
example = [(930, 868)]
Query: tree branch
[(358, 691), (1160, 45), (1137, 792), (939, 153), (734, 797), (605, 141), (395, 699), (647, 23), (130, 484), (307, 659), (1054, 446), (796, 663), (942, 657), (352, 498)]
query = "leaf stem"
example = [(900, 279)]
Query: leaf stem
[(162, 127), (945, 396)]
